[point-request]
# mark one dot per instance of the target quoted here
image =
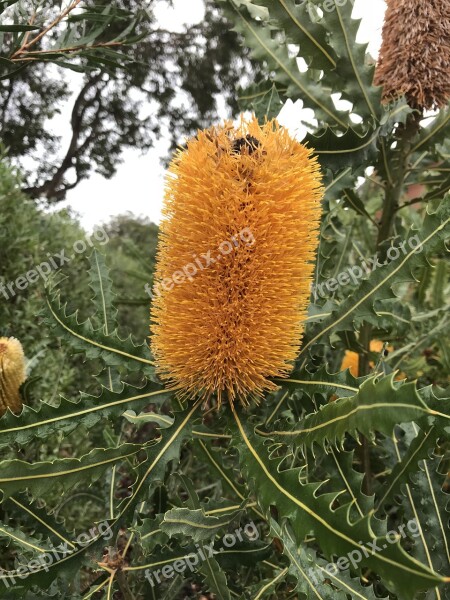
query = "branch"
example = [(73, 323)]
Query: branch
[(50, 189), (35, 40), (6, 103), (37, 54), (410, 203)]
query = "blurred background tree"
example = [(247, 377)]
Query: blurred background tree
[(126, 79), (28, 237), (132, 252)]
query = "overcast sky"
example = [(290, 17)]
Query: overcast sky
[(96, 199)]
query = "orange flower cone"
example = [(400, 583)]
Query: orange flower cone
[(12, 374), (415, 53), (235, 261)]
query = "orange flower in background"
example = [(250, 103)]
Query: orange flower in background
[(12, 374), (351, 362), (351, 359), (415, 53), (235, 260)]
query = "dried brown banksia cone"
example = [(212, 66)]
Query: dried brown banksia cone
[(235, 261), (12, 374), (415, 54)]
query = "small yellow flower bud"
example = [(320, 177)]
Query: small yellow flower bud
[(12, 374)]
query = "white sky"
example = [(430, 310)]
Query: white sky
[(97, 199)]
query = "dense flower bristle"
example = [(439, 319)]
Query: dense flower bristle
[(236, 322), (12, 374), (415, 54)]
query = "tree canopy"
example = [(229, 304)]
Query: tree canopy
[(126, 79)]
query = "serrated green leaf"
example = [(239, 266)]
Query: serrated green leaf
[(262, 99), (88, 411), (151, 471), (309, 512), (244, 553), (354, 71), (428, 519), (215, 578), (301, 30), (148, 417), (360, 305), (101, 284), (286, 72), (337, 180), (434, 133), (418, 449), (94, 343), (41, 520), (18, 475), (342, 463), (195, 524), (379, 405), (352, 200), (347, 150), (15, 536), (150, 534), (342, 384), (317, 579)]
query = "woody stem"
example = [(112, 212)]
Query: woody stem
[(394, 190)]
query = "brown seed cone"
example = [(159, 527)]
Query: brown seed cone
[(415, 54), (251, 198), (12, 374)]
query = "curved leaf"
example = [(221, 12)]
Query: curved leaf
[(379, 405), (88, 411), (94, 342), (309, 512), (360, 304)]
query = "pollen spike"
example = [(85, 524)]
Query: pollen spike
[(251, 195)]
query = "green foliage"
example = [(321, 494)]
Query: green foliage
[(66, 36), (334, 486), (133, 242), (28, 238), (275, 461)]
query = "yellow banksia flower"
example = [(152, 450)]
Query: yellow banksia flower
[(235, 261), (12, 374), (415, 54)]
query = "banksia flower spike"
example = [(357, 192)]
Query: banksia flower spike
[(415, 53), (235, 261), (12, 374)]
